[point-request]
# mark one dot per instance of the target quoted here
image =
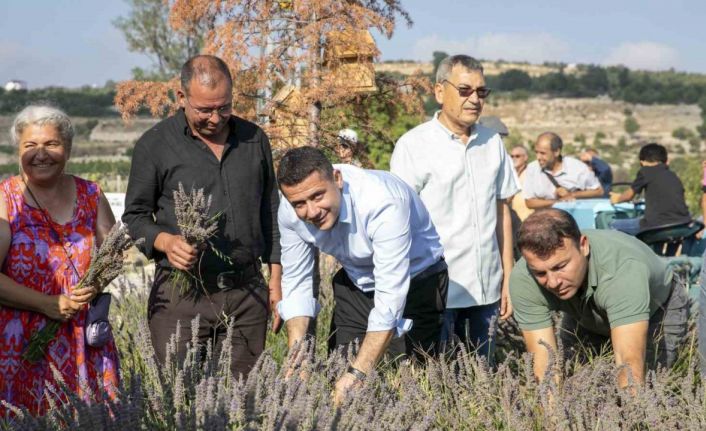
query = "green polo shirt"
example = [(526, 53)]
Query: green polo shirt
[(626, 283)]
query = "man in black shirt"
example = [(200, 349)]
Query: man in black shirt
[(664, 193), (204, 146)]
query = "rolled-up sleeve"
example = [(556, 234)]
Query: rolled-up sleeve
[(141, 198), (297, 271), (389, 228)]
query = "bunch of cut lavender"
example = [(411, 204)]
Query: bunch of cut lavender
[(196, 227), (106, 264)]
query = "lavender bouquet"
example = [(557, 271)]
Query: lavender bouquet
[(106, 264), (196, 227)]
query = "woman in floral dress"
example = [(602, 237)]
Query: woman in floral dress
[(49, 222)]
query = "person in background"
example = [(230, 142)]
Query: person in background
[(603, 171), (464, 176), (49, 223), (520, 159), (350, 150), (554, 177), (391, 290), (611, 287), (664, 193)]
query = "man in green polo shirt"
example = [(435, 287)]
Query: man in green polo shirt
[(609, 286)]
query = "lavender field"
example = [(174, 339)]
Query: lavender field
[(446, 394)]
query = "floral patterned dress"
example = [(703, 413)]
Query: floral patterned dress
[(36, 259)]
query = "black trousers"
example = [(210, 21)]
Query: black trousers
[(666, 333), (245, 302), (426, 301)]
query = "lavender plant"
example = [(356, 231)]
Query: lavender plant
[(106, 264), (450, 393)]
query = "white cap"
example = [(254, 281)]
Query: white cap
[(349, 135)]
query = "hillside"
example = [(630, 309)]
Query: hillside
[(578, 121), (490, 68)]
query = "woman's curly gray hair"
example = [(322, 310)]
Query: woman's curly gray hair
[(40, 115)]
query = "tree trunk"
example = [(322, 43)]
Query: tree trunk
[(315, 105)]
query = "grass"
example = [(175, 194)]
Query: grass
[(447, 394)]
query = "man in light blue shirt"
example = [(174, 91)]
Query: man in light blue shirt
[(394, 280)]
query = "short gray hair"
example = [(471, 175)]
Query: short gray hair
[(447, 64), (40, 115)]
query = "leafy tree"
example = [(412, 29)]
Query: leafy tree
[(594, 80), (147, 30), (682, 133), (514, 79), (631, 125), (269, 45), (85, 102), (437, 57)]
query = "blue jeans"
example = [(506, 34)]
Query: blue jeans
[(472, 326), (630, 226)]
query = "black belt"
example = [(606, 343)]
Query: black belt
[(231, 279), (435, 268)]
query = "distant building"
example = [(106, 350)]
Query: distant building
[(15, 84)]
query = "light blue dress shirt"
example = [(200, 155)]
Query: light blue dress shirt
[(383, 237)]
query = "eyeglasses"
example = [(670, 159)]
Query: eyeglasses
[(465, 92), (515, 156), (204, 113)]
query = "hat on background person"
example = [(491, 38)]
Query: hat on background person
[(494, 123), (348, 136)]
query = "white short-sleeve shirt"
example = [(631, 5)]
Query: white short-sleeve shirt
[(574, 175), (460, 184)]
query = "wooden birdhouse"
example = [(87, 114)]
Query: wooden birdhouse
[(289, 128), (348, 56)]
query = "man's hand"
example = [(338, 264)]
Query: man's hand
[(84, 295), (614, 198), (562, 193), (181, 255), (343, 386), (61, 308), (275, 287), (505, 303)]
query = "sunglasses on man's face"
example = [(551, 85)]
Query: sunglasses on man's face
[(465, 91)]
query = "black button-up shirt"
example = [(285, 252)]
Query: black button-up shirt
[(242, 185)]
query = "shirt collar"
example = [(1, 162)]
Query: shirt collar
[(449, 133), (592, 281), (346, 214), (181, 116), (561, 171)]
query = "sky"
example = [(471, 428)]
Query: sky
[(73, 42)]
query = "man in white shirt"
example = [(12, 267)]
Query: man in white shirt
[(553, 177), (464, 176), (520, 160), (394, 279)]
